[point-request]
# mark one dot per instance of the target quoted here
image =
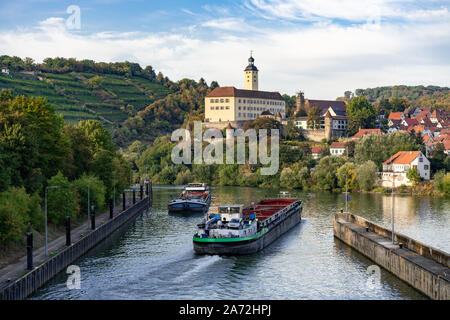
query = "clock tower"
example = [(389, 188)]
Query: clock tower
[(251, 75)]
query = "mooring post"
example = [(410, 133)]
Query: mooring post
[(142, 191), (134, 196), (29, 251), (111, 208), (68, 240), (93, 218), (124, 205), (146, 189), (151, 191)]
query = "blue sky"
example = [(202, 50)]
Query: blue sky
[(322, 47)]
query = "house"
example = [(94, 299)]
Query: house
[(409, 122), (396, 167), (363, 132), (396, 116), (337, 148), (316, 152), (5, 71)]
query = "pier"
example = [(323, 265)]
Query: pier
[(423, 267), (16, 282)]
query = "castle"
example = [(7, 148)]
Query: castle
[(226, 105), (332, 118)]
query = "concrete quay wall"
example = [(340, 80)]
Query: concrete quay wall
[(421, 266)]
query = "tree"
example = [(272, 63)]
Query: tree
[(96, 193), (361, 115), (313, 118), (18, 212), (347, 176), (413, 175), (60, 201), (366, 175), (399, 104)]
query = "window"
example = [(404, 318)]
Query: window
[(420, 159), (426, 167), (211, 100), (217, 108), (239, 108), (221, 108), (227, 107), (221, 100), (212, 108), (227, 100)]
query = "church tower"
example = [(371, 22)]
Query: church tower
[(251, 75)]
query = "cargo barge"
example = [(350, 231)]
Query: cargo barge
[(194, 198), (236, 230)]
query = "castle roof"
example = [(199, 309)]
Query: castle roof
[(241, 93), (339, 107)]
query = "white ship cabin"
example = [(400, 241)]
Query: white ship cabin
[(199, 187), (229, 222)]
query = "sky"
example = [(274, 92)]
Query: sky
[(322, 47)]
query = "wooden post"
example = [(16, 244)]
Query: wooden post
[(124, 205), (29, 251), (68, 239), (141, 191), (134, 196)]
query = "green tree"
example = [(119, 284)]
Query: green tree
[(361, 114), (313, 121), (60, 201), (366, 175), (413, 175), (96, 191), (18, 211)]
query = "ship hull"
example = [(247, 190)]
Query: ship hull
[(189, 206), (248, 246)]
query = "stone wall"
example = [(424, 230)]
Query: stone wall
[(421, 266)]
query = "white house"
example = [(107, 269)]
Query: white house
[(5, 71), (396, 167), (337, 148)]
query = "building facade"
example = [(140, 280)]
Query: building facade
[(228, 104), (397, 166)]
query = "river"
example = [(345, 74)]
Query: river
[(152, 257)]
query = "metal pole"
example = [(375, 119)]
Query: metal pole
[(346, 193), (114, 188), (392, 208)]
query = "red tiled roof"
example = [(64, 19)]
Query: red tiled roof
[(403, 157), (395, 116), (316, 149), (363, 132), (337, 145), (233, 92)]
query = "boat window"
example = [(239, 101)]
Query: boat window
[(223, 209), (234, 220), (234, 209)]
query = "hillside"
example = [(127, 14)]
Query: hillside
[(81, 95), (419, 96)]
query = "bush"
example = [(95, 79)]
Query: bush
[(18, 211), (60, 201), (444, 184)]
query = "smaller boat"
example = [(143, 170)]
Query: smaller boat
[(194, 198)]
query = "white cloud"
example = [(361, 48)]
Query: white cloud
[(324, 60)]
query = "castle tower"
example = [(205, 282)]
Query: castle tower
[(300, 101), (328, 125), (251, 75)]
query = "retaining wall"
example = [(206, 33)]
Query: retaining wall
[(30, 282), (423, 267)]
